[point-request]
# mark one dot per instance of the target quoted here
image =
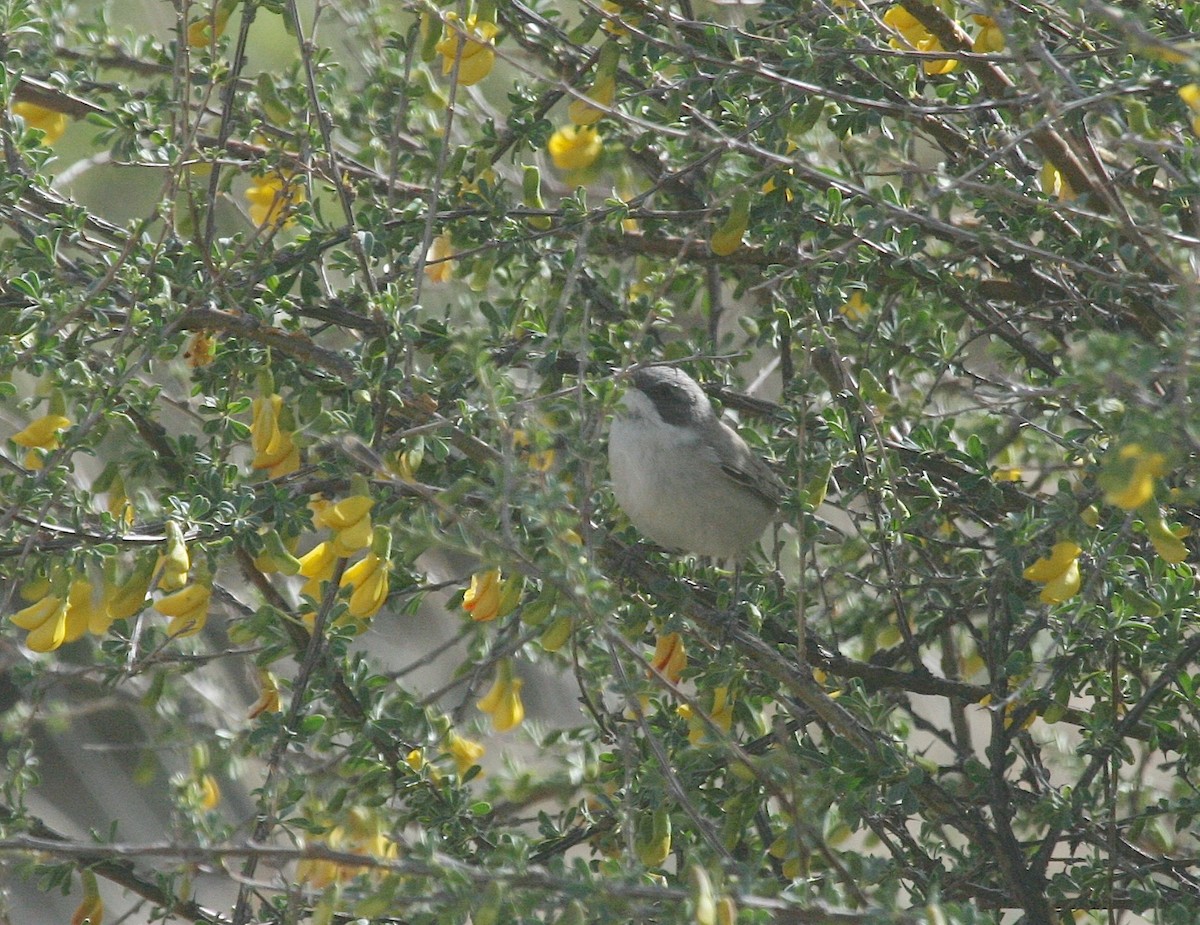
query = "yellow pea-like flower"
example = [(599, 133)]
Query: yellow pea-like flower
[(439, 267), (175, 561), (1128, 475), (503, 701), (87, 611), (1190, 94), (670, 657), (353, 538), (575, 147), (42, 433), (990, 39), (272, 197), (317, 564), (350, 521), (210, 792), (264, 422), (465, 752), (1059, 572), (345, 513), (1167, 541), (271, 436), (855, 308), (268, 699), (46, 621), (203, 31), (369, 580), (187, 608), (482, 598), (49, 122), (914, 35), (1055, 184), (474, 47), (720, 712)]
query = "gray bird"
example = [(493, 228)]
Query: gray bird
[(684, 478)]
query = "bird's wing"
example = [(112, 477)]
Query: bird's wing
[(749, 471)]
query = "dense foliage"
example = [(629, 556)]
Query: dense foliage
[(312, 317)]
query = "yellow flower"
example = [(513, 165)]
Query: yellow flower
[(1055, 184), (1128, 475), (491, 596), (118, 503), (369, 580), (87, 610), (720, 712), (770, 186), (362, 835), (210, 792), (187, 608), (1167, 541), (503, 701), (49, 122), (317, 566), (176, 562), (477, 41), (670, 657), (538, 460), (416, 760), (916, 36), (1059, 572), (1190, 94), (350, 521), (46, 621), (574, 147), (990, 38), (338, 515), (268, 698), (272, 197), (318, 562), (482, 598), (439, 265), (465, 752), (203, 31), (616, 27), (319, 873), (855, 308), (35, 589), (41, 434), (271, 437)]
